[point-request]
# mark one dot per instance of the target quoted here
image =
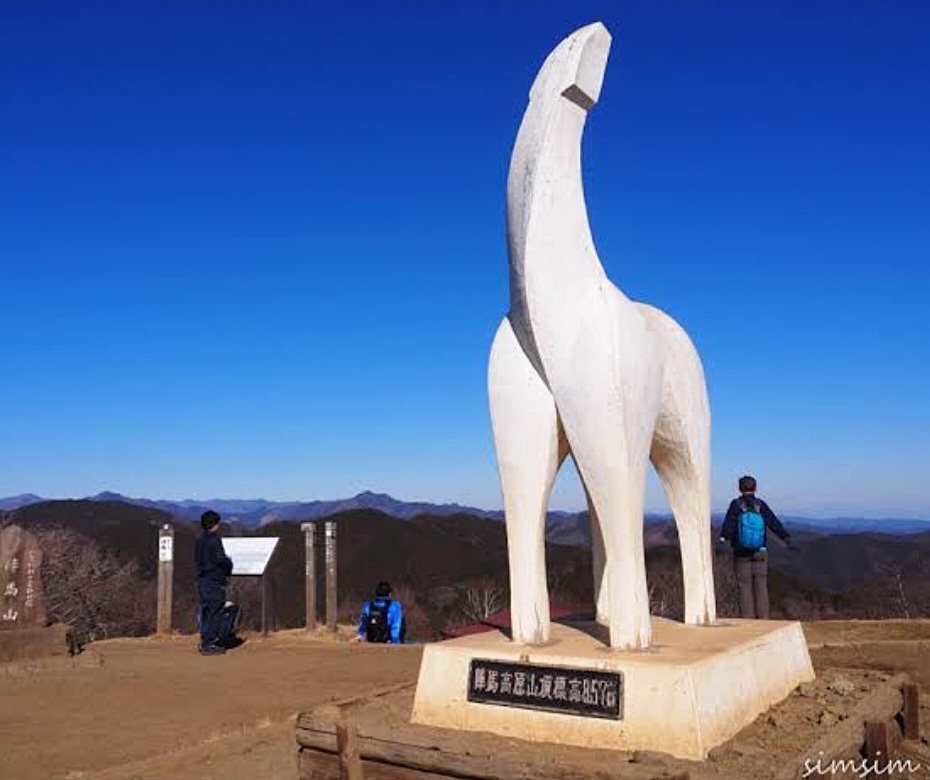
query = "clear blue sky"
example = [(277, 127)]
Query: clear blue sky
[(257, 249)]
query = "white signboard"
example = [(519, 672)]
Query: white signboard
[(250, 555), (165, 548)]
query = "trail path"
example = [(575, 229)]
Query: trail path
[(142, 709), (153, 709)]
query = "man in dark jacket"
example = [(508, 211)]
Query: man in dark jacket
[(745, 527), (213, 570)]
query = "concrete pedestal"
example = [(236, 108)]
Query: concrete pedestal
[(693, 689)]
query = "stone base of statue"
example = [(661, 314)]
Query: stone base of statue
[(693, 689)]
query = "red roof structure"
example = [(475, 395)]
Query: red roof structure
[(499, 621)]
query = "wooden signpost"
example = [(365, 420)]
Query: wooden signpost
[(331, 603), (309, 530), (251, 556), (165, 578)]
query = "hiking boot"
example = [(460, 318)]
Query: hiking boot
[(212, 650)]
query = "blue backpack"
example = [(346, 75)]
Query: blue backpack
[(750, 526)]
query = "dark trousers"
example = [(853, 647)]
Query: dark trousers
[(212, 600), (752, 577)]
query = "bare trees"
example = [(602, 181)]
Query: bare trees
[(725, 584), (483, 599), (91, 590), (897, 583), (888, 594)]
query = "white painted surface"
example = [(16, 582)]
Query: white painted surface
[(578, 367), (250, 556), (691, 692), (165, 548)]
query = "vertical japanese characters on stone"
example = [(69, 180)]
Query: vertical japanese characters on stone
[(22, 601)]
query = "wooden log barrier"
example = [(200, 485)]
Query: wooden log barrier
[(333, 747), (401, 750), (313, 765), (849, 737)]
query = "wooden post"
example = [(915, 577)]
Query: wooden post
[(165, 578), (309, 530), (331, 602), (264, 598), (350, 764), (881, 740), (911, 710)]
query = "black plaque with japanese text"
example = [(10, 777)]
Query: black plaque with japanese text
[(592, 693)]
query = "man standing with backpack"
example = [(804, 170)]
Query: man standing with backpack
[(744, 528), (382, 618)]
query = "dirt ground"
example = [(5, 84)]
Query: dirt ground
[(141, 709), (153, 709)]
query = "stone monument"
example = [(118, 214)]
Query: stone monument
[(24, 633), (578, 368), (22, 604)]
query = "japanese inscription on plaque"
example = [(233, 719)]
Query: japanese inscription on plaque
[(589, 692)]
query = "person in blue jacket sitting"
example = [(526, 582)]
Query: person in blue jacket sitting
[(382, 618)]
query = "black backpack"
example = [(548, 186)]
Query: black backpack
[(228, 622), (376, 621)]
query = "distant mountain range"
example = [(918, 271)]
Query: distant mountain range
[(562, 527), (257, 512), (434, 560), (15, 502)]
